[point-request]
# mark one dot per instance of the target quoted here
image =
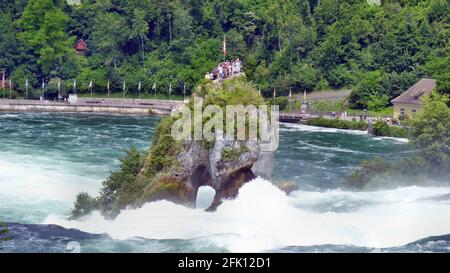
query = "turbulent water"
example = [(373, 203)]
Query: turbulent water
[(46, 159)]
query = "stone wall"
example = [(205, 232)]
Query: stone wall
[(84, 106)]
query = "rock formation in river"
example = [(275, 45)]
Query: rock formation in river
[(175, 169)]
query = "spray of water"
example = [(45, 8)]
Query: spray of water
[(262, 218)]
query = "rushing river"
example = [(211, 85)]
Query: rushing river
[(46, 159)]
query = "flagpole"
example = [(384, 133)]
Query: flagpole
[(290, 99), (124, 88), (59, 89), (74, 89), (10, 88), (107, 87), (26, 89), (274, 95), (43, 88), (224, 47), (3, 83), (139, 89)]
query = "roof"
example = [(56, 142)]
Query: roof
[(80, 45), (424, 87)]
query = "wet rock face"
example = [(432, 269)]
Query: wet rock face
[(225, 167)]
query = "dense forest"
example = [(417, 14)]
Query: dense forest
[(378, 51)]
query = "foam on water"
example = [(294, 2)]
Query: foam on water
[(262, 218), (46, 159), (403, 140), (31, 187), (308, 128)]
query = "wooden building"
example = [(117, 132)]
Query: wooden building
[(81, 47)]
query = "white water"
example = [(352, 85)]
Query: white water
[(40, 185), (262, 218), (45, 160), (205, 197), (308, 128)]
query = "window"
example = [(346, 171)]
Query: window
[(402, 111)]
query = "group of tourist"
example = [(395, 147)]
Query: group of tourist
[(225, 70)]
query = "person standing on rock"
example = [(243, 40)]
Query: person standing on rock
[(220, 68), (238, 65)]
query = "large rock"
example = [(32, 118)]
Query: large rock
[(215, 168)]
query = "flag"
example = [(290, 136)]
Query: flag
[(59, 85), (75, 85), (26, 83), (154, 86), (43, 84), (124, 86), (290, 94), (224, 45), (90, 85), (304, 95), (139, 86)]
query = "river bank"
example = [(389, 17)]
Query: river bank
[(92, 105)]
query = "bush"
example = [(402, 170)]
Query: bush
[(381, 128), (282, 102), (369, 170), (230, 154), (322, 84), (120, 185), (370, 83), (377, 103), (430, 133), (4, 93), (337, 123), (328, 106), (84, 205)]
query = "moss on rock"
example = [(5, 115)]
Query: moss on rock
[(162, 172)]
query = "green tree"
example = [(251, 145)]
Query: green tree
[(430, 133), (370, 85), (84, 205), (110, 33), (44, 25), (377, 102)]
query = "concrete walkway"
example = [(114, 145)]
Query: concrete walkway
[(100, 105)]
